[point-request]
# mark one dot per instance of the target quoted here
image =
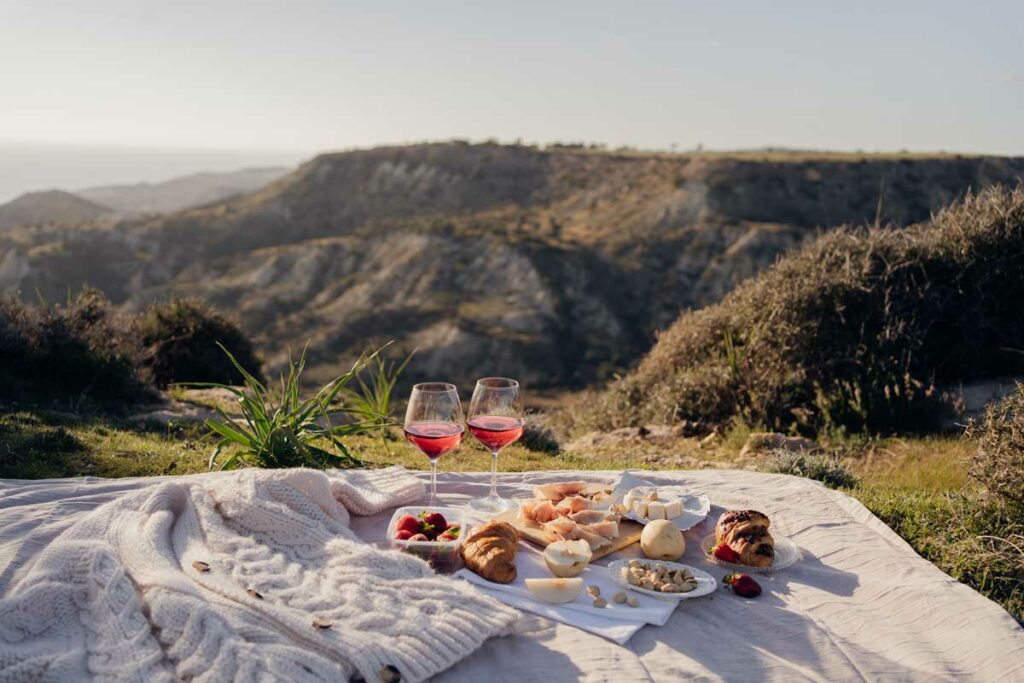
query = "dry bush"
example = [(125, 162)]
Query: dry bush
[(998, 464), (70, 355), (854, 331), (179, 344)]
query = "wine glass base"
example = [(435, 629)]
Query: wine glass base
[(492, 504)]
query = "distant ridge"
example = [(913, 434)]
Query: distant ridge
[(49, 207), (183, 192), (556, 266)]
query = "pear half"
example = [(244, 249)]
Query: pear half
[(566, 559), (555, 591)]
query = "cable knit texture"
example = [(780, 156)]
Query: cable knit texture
[(222, 578)]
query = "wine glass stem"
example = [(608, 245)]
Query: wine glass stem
[(433, 483), (494, 474)]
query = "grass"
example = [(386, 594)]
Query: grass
[(40, 444)]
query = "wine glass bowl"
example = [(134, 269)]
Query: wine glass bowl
[(434, 424), (495, 420)]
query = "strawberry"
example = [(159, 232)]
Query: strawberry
[(725, 553), (743, 585), (433, 525), (404, 535), (408, 523), (418, 537)]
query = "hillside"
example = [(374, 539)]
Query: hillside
[(857, 330), (180, 193), (49, 207), (554, 265)]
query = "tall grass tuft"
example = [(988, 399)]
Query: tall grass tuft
[(285, 430)]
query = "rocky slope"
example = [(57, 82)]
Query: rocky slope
[(556, 265)]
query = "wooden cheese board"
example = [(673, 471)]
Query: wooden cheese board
[(629, 533)]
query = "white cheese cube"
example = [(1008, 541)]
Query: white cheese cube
[(656, 510), (640, 508), (629, 500), (674, 508)]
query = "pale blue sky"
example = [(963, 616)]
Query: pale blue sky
[(311, 76)]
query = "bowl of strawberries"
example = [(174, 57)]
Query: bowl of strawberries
[(432, 534)]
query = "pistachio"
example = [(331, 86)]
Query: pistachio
[(632, 601), (321, 623), (200, 566), (600, 602), (593, 590), (619, 597)]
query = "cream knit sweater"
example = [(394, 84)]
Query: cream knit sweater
[(247, 576)]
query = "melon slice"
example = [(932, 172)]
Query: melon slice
[(555, 591)]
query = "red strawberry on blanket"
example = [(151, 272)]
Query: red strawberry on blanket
[(408, 523), (725, 553), (743, 585)]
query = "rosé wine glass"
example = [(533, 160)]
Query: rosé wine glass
[(433, 423), (496, 420)]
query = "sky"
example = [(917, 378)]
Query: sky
[(295, 78)]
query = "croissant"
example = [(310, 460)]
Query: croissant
[(746, 532), (491, 550)]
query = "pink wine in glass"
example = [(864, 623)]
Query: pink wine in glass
[(434, 439), (496, 432)]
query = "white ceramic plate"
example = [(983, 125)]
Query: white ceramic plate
[(695, 508), (706, 584), (787, 553)]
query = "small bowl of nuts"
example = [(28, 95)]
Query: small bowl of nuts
[(663, 580)]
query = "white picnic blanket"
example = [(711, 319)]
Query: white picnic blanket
[(861, 605), (247, 576)]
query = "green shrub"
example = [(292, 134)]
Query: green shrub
[(824, 468), (179, 344), (998, 464), (72, 355), (539, 437), (853, 332)]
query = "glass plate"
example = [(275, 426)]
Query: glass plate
[(706, 584), (787, 553)]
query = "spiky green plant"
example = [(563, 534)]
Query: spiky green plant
[(283, 430), (372, 397)]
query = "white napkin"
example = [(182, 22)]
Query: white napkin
[(617, 622)]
